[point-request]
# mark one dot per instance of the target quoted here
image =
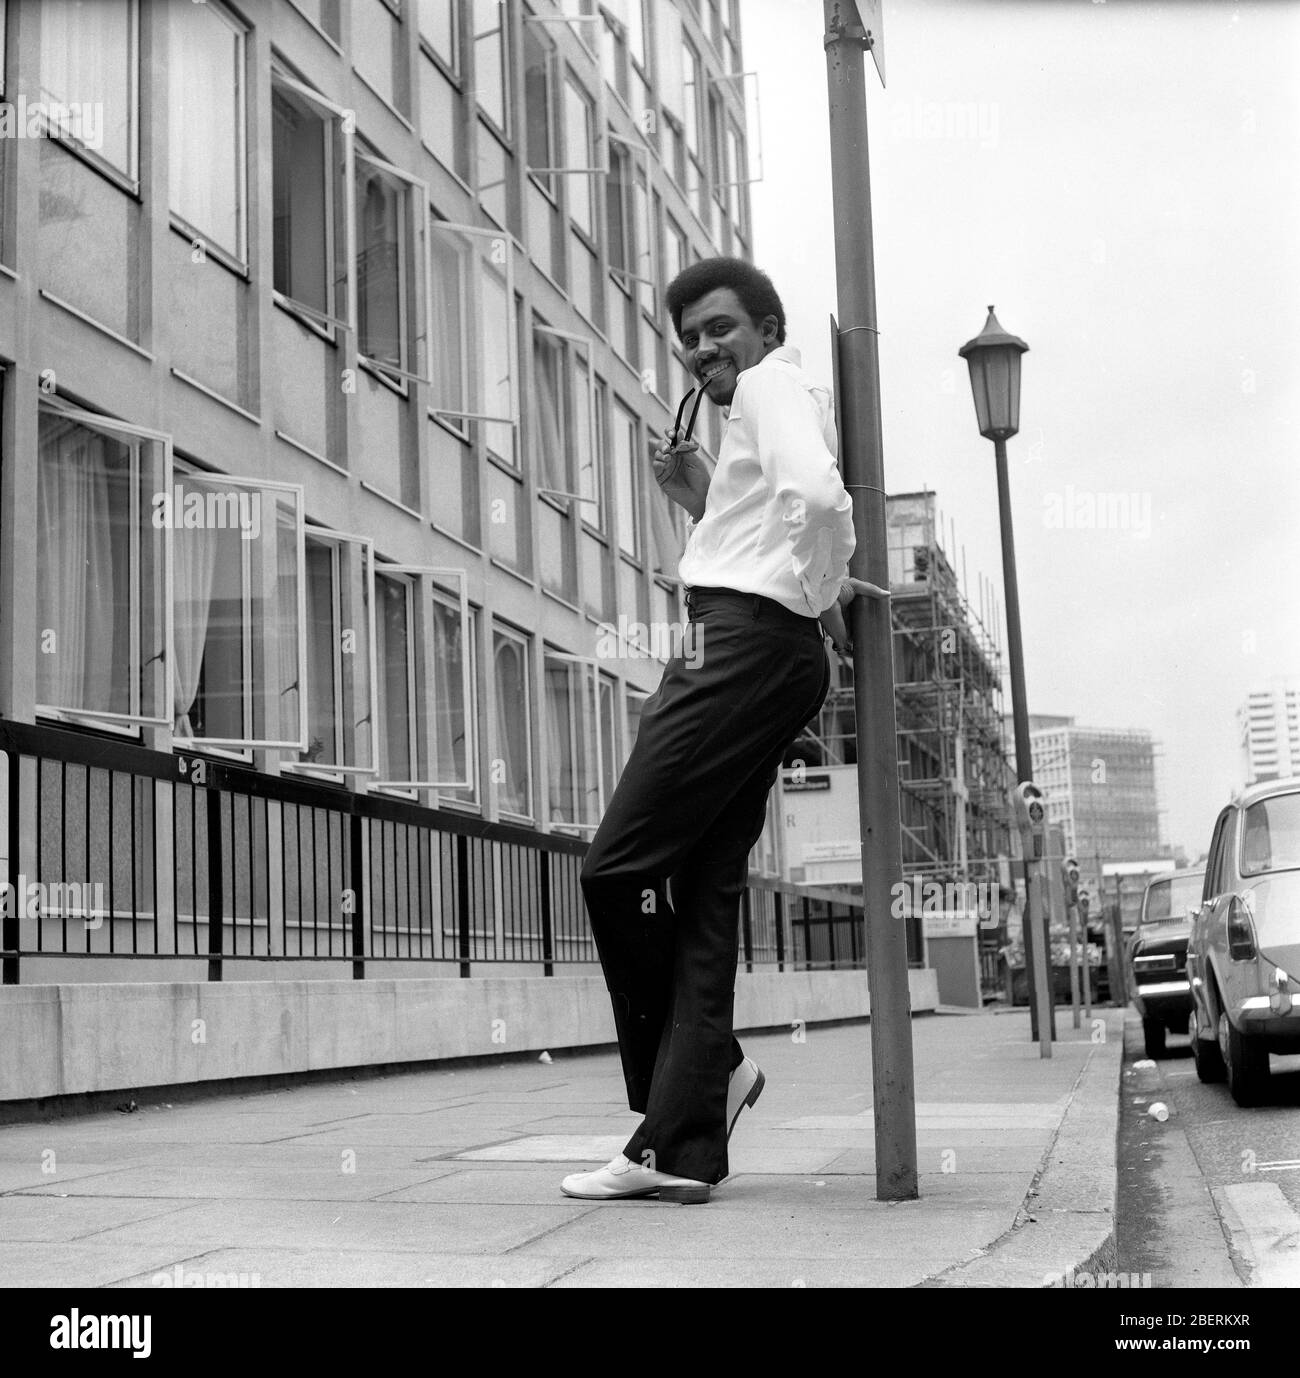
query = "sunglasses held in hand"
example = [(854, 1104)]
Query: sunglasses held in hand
[(678, 438)]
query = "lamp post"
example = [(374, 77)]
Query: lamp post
[(993, 358)]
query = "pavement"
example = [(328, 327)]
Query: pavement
[(449, 1177)]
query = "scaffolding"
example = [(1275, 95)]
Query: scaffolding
[(953, 771)]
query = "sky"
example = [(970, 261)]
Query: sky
[(1122, 181)]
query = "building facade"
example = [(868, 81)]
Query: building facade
[(1269, 726), (334, 353), (1100, 787)]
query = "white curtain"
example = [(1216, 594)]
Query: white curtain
[(449, 695), (86, 58), (194, 561), (559, 743), (75, 591), (204, 95), (512, 735), (282, 613), (548, 411)]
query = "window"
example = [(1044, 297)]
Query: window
[(591, 471), (377, 48), (669, 76), (342, 725), (574, 790), (448, 327), (512, 770), (667, 537), (628, 236), (454, 674), (395, 683), (691, 97), (101, 569), (579, 155), (238, 612), (538, 58), (608, 691), (619, 239), (562, 408), (439, 728), (441, 122), (392, 228), (481, 262), (491, 79), (635, 702), (206, 164), (323, 13), (439, 24), (90, 67), (626, 450), (311, 177)]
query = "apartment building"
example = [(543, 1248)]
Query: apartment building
[(334, 352)]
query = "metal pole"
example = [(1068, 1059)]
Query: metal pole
[(1020, 718), (862, 449)]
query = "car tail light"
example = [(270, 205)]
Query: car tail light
[(1241, 932)]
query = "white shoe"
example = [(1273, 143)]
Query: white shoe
[(623, 1178), (744, 1088)]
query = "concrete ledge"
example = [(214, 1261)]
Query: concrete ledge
[(67, 1040)]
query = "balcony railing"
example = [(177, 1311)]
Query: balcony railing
[(117, 853)]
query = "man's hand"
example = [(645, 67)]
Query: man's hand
[(832, 619), (682, 474)]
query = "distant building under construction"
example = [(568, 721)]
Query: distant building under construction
[(952, 763)]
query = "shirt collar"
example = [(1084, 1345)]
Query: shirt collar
[(788, 353)]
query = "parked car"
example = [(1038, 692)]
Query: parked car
[(1157, 956), (1243, 959)]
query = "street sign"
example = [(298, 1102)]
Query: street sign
[(873, 21)]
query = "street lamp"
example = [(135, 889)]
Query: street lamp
[(993, 358)]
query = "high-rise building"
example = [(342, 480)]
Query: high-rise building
[(1269, 723), (1100, 787)]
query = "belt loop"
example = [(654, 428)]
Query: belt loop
[(758, 603)]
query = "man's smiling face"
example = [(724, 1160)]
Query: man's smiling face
[(721, 341)]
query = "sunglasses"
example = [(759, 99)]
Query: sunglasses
[(698, 394)]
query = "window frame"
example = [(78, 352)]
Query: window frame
[(92, 421), (523, 643), (440, 598), (247, 697), (563, 498), (425, 575), (237, 258), (367, 545), (344, 122), (417, 222), (472, 367), (589, 688), (128, 179)]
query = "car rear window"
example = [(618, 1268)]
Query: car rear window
[(1169, 900), (1271, 838)]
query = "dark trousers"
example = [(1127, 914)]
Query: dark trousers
[(668, 864)]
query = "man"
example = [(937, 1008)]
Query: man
[(765, 565)]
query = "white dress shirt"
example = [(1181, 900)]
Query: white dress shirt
[(777, 520)]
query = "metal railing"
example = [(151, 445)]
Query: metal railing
[(114, 851)]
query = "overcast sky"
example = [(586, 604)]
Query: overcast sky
[(1122, 180)]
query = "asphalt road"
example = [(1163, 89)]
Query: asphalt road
[(1211, 1196)]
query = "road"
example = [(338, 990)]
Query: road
[(1211, 1196)]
